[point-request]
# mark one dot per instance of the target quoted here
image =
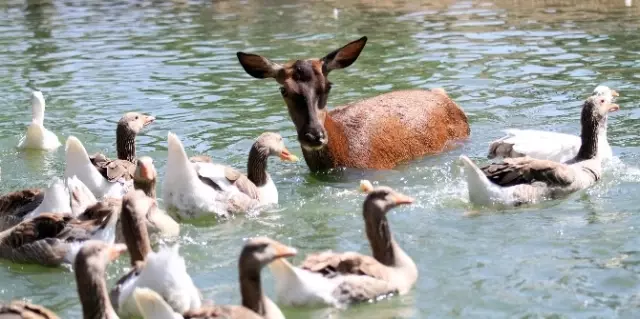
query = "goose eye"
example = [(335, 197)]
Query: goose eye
[(602, 101), (136, 117)]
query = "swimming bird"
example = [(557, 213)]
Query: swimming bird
[(553, 146), (524, 180), (163, 271), (37, 136), (257, 253), (257, 184), (338, 279)]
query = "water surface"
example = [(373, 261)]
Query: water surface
[(525, 64)]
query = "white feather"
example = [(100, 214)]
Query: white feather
[(164, 272)]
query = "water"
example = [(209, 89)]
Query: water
[(525, 64)]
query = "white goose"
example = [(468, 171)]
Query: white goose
[(527, 180), (164, 271), (553, 146), (79, 164), (199, 189), (37, 136)]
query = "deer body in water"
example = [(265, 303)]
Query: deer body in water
[(376, 133)]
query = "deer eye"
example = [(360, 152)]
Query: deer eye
[(283, 91)]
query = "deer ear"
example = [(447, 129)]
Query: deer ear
[(258, 66), (345, 56)]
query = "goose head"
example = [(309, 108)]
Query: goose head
[(133, 123), (128, 128), (606, 92), (260, 251), (37, 108), (383, 198), (596, 108), (271, 144)]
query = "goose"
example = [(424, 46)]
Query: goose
[(338, 279), (257, 184), (90, 271), (553, 146), (127, 129), (526, 180), (163, 271), (157, 220), (186, 193), (53, 239), (73, 197), (79, 164), (37, 136), (257, 253)]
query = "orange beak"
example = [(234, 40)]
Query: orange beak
[(146, 171), (613, 107), (148, 120), (116, 250), (286, 156), (614, 93), (283, 251), (401, 199)]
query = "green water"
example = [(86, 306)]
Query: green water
[(525, 64)]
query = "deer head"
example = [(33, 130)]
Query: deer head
[(305, 87)]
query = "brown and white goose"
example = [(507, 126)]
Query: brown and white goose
[(157, 220), (70, 197), (163, 271), (198, 188), (338, 279), (257, 184), (90, 270), (124, 166), (256, 253), (524, 180), (52, 239)]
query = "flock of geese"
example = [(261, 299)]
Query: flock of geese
[(103, 207)]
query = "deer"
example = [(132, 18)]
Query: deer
[(375, 133)]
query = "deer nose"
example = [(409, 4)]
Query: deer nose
[(315, 138)]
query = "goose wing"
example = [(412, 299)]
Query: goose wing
[(20, 203), (233, 176), (527, 170), (19, 309), (330, 263), (113, 170)]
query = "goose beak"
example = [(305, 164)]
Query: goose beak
[(614, 93), (148, 120), (283, 251), (116, 250), (286, 156), (146, 169), (401, 199), (613, 107)]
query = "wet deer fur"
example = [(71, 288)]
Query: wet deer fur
[(377, 133)]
